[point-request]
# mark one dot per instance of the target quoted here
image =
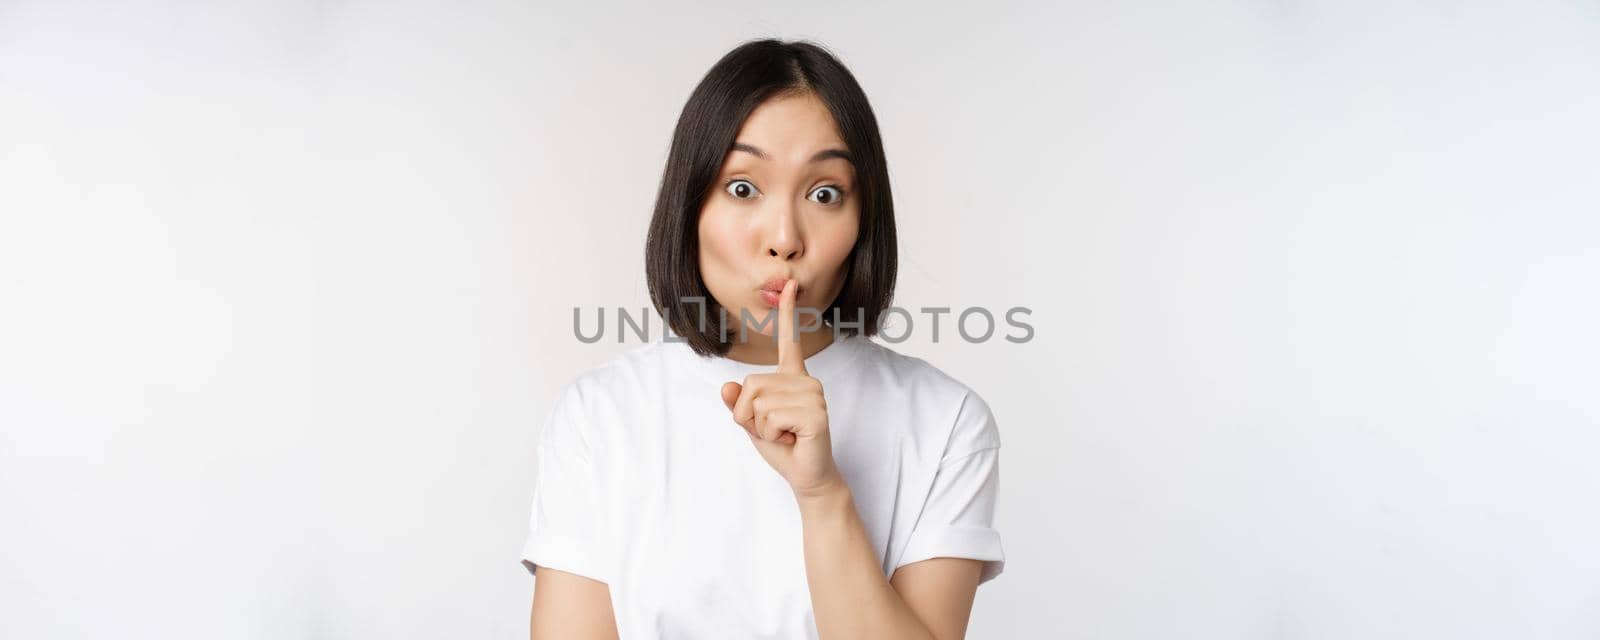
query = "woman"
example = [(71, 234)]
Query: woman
[(764, 470)]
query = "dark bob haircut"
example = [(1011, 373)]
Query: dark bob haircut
[(716, 110)]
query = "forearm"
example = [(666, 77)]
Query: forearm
[(850, 597)]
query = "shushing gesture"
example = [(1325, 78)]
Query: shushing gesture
[(784, 412)]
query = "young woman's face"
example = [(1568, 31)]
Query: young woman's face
[(783, 206)]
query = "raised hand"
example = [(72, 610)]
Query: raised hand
[(784, 412)]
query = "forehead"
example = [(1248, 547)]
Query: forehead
[(790, 129)]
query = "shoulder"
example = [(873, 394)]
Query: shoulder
[(619, 375), (587, 408), (917, 375), (924, 386)]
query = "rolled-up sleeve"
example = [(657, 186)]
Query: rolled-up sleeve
[(561, 527), (958, 517)]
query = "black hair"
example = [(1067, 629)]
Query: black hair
[(717, 108)]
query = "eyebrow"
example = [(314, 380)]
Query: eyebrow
[(824, 154)]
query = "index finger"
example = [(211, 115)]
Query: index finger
[(790, 358)]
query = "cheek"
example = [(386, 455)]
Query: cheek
[(720, 240), (838, 239)]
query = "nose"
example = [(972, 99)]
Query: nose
[(783, 234)]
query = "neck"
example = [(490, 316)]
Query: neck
[(758, 348)]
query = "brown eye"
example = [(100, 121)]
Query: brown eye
[(827, 195), (741, 189)]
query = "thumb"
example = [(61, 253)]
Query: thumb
[(730, 394)]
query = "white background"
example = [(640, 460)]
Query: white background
[(286, 288)]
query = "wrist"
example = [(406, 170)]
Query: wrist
[(831, 491)]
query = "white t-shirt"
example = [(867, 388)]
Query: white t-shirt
[(646, 483)]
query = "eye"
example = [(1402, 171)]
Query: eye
[(740, 188), (827, 194)]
